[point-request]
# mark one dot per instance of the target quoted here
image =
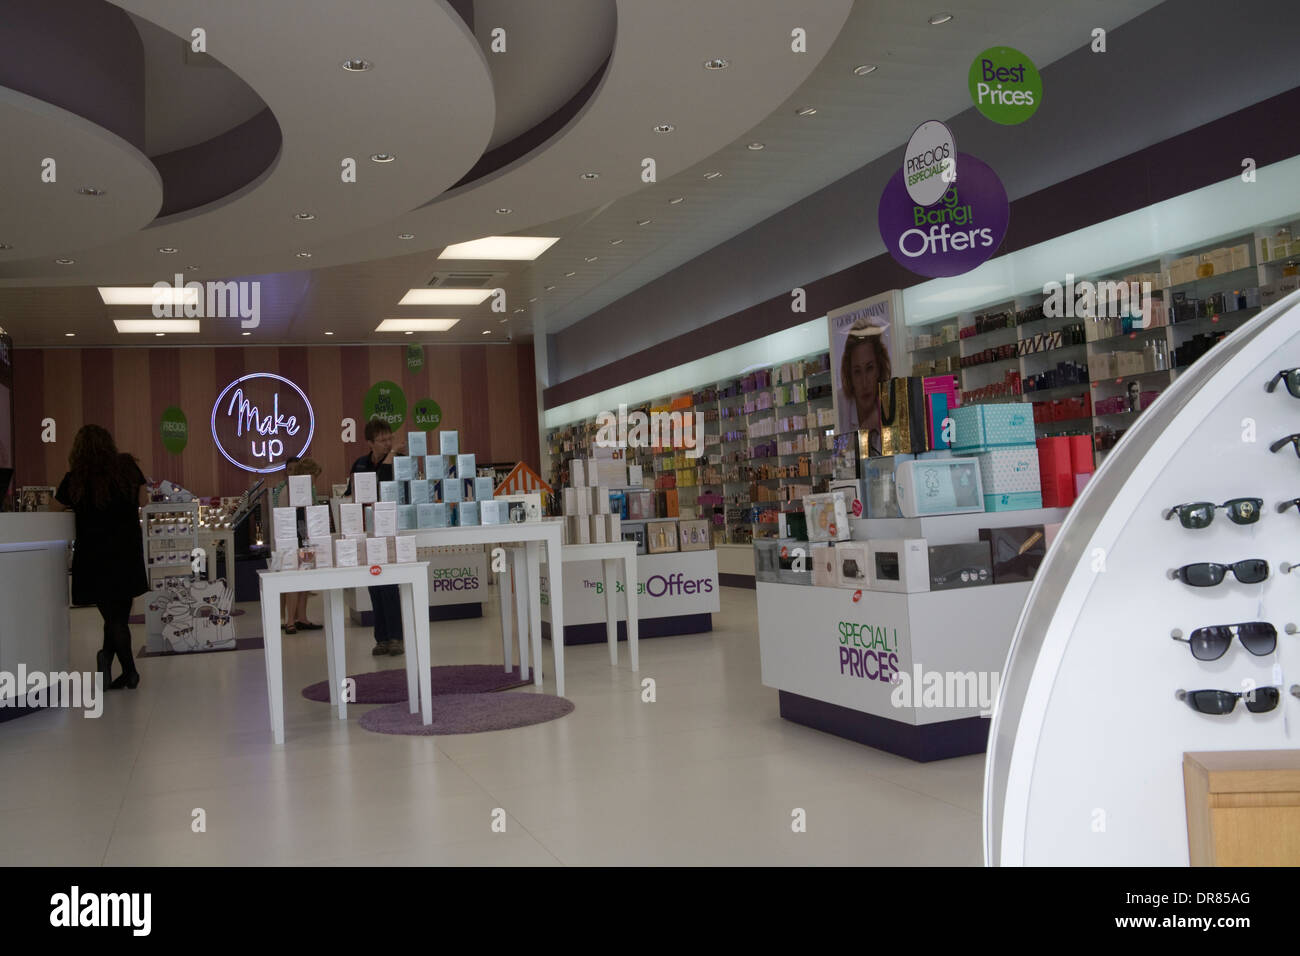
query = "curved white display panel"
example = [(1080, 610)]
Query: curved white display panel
[(1088, 736)]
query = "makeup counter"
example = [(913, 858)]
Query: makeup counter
[(34, 553), (886, 607)]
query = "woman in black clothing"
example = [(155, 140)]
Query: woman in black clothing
[(106, 490)]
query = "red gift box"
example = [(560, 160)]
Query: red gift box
[(1058, 491), (1081, 459)]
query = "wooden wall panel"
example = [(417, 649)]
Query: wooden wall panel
[(486, 393)]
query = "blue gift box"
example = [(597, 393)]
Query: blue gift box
[(435, 466), (407, 517), (449, 443), (492, 512), (403, 467), (465, 466), (392, 491), (483, 488), (451, 490), (984, 427), (425, 516), (421, 491), (417, 444), (1014, 501), (467, 512)]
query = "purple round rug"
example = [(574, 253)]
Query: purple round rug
[(468, 714), (389, 687)]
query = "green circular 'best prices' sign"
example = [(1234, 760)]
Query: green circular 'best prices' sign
[(387, 401), (427, 414), (415, 357), (1005, 85), (175, 430)]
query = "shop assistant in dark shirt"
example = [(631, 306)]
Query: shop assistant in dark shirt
[(385, 599)]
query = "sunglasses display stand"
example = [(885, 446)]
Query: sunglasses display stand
[(1093, 680)]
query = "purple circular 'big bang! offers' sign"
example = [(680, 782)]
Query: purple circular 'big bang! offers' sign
[(956, 234)]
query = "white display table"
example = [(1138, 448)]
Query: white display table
[(833, 658), (34, 591), (413, 581), (609, 555), (676, 594)]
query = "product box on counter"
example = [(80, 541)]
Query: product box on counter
[(693, 534), (960, 566), (880, 476), (901, 565), (822, 558), (849, 453), (978, 428), (827, 517), (1055, 470), (766, 563), (852, 564), (1012, 470), (939, 487), (854, 493), (1016, 552), (634, 531), (792, 524), (661, 536)]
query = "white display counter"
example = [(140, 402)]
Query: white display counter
[(862, 664), (34, 591), (677, 594), (458, 585)]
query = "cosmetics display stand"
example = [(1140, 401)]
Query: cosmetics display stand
[(34, 630), (1089, 734), (822, 647)]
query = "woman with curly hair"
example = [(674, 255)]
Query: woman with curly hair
[(106, 489), (864, 365)]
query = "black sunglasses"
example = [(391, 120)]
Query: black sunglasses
[(1293, 503), (1211, 643), (1291, 376), (1219, 702), (1207, 574), (1199, 514), (1282, 442)]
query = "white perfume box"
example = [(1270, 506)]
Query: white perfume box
[(405, 546), (365, 487), (828, 518), (385, 519), (284, 523), (351, 519), (300, 495), (318, 521), (345, 552), (376, 550), (901, 565), (324, 551)]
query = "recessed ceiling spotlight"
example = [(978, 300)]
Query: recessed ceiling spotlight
[(590, 176), (329, 333), (592, 258), (614, 242), (644, 222), (160, 334), (408, 333), (168, 250), (90, 191), (357, 65), (382, 157), (677, 200), (665, 128), (807, 111), (549, 288), (718, 63), (245, 333), (756, 146), (304, 216), (69, 334), (407, 235), (304, 255), (65, 262), (191, 268), (520, 309), (712, 175), (570, 275), (487, 331), (533, 299), (864, 69), (504, 210), (939, 18), (504, 321)]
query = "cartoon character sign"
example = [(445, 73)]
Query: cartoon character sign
[(192, 615)]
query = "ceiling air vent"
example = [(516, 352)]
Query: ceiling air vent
[(466, 280)]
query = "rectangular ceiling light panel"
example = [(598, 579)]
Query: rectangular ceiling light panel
[(445, 297), (157, 325), (416, 325), (500, 247), (149, 295)]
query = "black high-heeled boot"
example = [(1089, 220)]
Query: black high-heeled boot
[(104, 664)]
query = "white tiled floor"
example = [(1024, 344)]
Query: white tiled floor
[(708, 774)]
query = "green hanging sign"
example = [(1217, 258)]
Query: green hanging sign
[(175, 430), (415, 357), (386, 401)]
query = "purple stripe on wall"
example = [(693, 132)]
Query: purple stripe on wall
[(1208, 154), (475, 424), (29, 386), (97, 387)]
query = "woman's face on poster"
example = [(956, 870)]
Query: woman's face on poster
[(864, 373)]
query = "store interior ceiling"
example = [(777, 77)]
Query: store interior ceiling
[(484, 143)]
